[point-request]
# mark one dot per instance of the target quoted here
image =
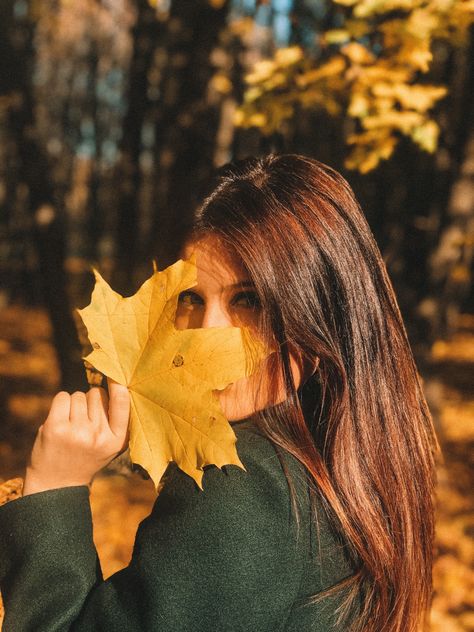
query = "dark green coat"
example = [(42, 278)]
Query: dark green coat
[(225, 559)]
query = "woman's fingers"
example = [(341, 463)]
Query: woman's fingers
[(78, 411), (90, 406), (97, 404), (119, 409), (94, 409), (60, 407), (58, 416)]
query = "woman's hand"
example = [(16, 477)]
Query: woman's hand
[(82, 433)]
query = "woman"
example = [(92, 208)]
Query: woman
[(331, 526)]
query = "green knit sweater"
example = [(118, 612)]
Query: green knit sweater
[(226, 559)]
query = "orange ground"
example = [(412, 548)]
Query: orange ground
[(29, 378)]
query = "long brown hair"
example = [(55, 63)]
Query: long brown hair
[(366, 439)]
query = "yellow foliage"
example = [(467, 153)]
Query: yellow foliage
[(221, 84), (257, 119), (333, 67), (359, 105), (419, 57), (262, 71), (315, 97), (415, 97), (366, 8), (252, 94), (370, 148), (357, 28), (421, 23), (240, 118), (241, 27), (383, 71), (403, 121), (358, 54), (380, 90), (171, 374), (287, 56), (336, 36)]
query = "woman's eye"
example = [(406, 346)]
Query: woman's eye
[(190, 298), (249, 300)]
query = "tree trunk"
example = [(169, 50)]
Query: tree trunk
[(187, 123), (146, 35), (46, 221)]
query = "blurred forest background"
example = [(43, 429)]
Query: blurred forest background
[(113, 115)]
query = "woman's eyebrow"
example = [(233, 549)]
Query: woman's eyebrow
[(240, 285)]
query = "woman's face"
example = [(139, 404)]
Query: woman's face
[(225, 296)]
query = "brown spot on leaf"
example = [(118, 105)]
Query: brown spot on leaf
[(178, 360)]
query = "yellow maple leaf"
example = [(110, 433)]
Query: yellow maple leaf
[(171, 374)]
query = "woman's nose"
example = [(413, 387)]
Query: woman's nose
[(214, 315)]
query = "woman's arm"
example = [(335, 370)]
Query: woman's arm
[(220, 559), (48, 562)]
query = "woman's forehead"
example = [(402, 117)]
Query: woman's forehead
[(215, 260)]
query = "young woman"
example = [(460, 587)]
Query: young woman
[(331, 526)]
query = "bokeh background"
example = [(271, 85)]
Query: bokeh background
[(113, 114)]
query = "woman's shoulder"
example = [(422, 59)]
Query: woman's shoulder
[(261, 483), (253, 501), (234, 544), (267, 462), (261, 513)]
